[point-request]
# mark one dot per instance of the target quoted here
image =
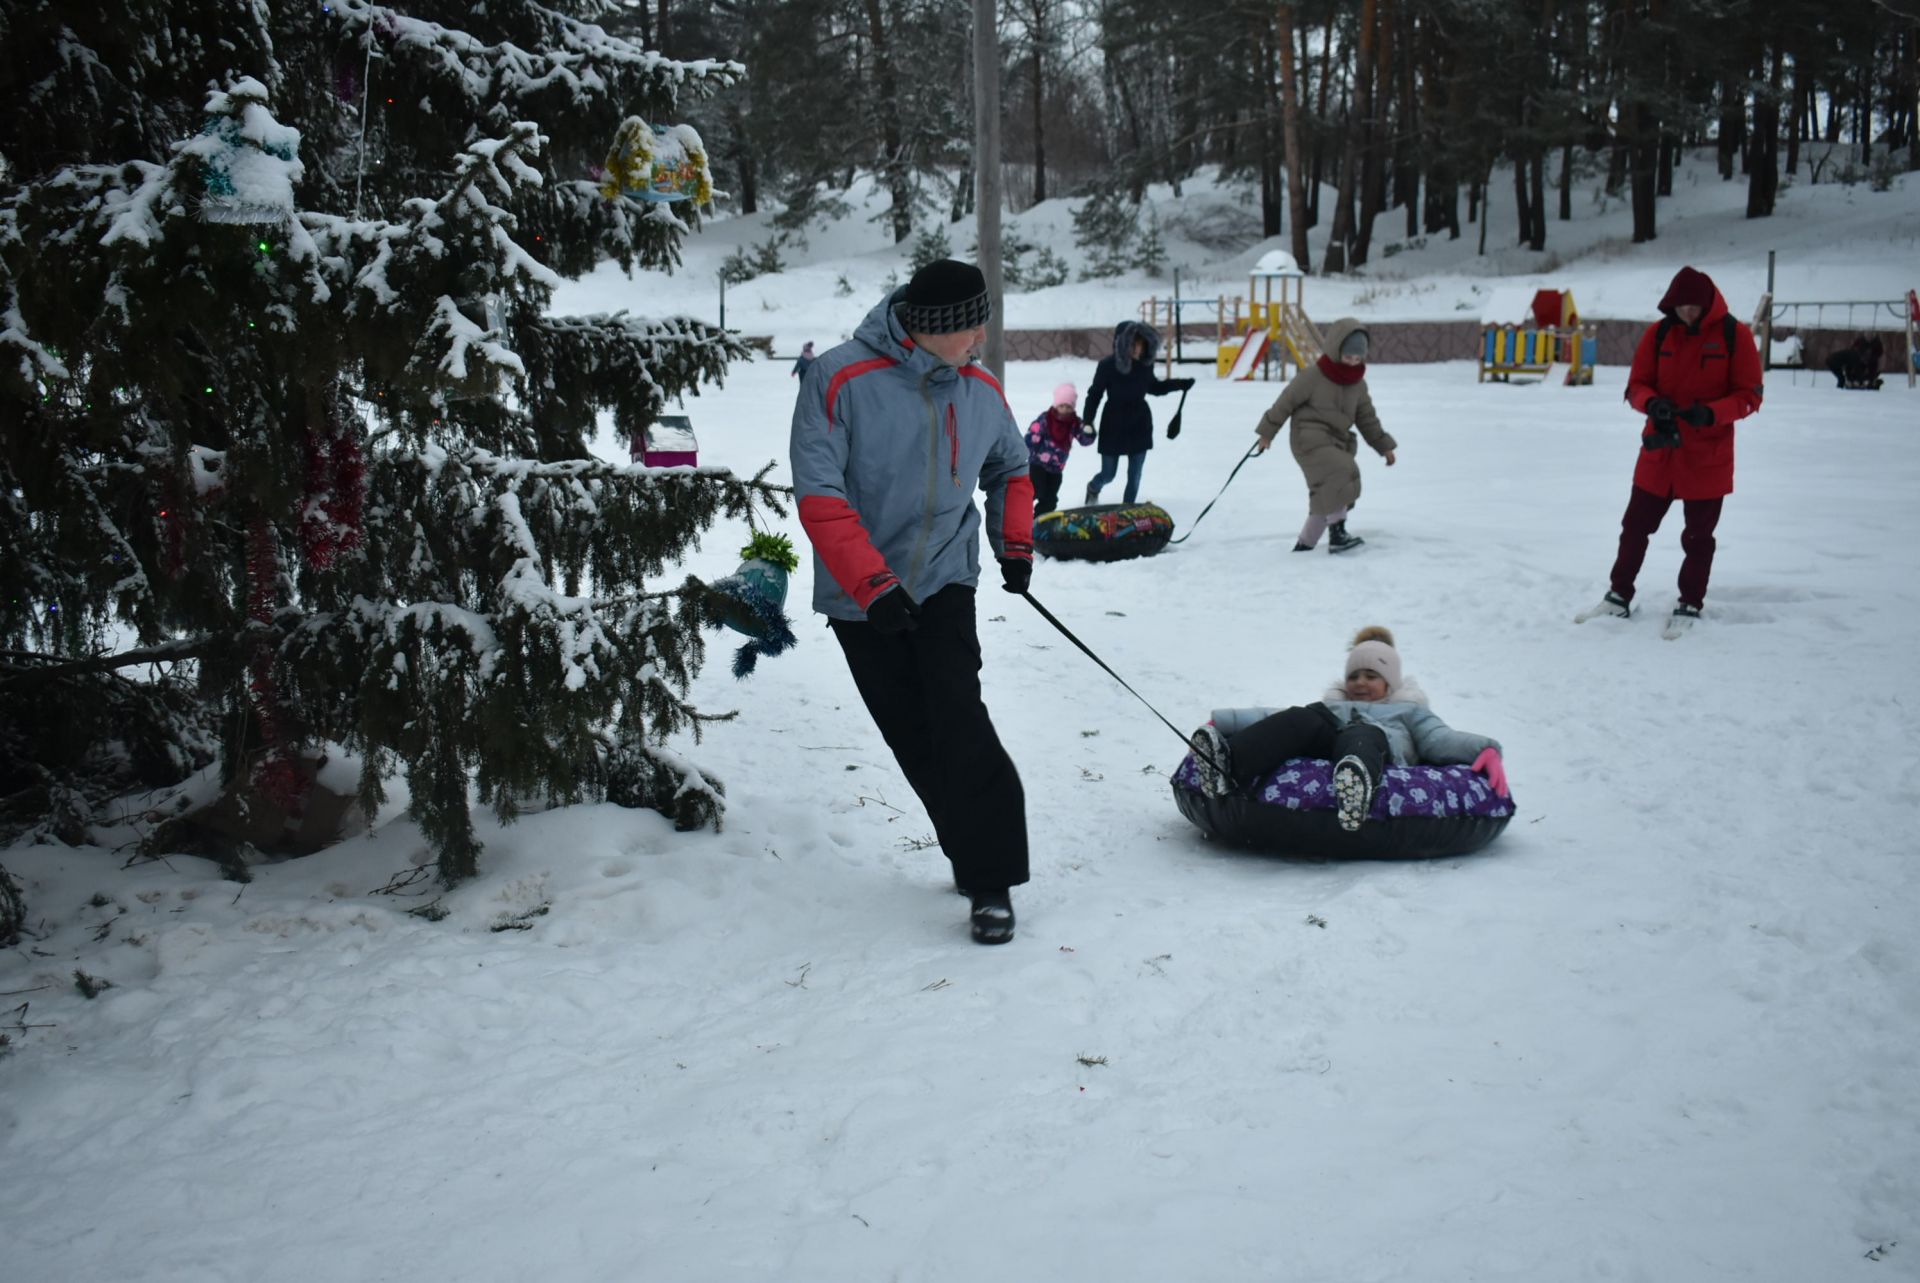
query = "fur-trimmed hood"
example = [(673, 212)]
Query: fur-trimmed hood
[(1123, 336)]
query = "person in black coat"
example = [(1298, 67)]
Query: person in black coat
[(1126, 380), (1858, 366)]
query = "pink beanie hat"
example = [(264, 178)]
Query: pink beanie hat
[(1380, 657), (1066, 394)]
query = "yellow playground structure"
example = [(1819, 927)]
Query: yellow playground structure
[(1548, 339), (1260, 331)]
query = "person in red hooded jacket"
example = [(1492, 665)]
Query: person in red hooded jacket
[(1695, 373)]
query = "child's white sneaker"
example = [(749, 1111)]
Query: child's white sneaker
[(1352, 793)]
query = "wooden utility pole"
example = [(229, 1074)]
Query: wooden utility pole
[(986, 175)]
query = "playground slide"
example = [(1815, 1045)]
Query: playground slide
[(1559, 372), (1252, 347)]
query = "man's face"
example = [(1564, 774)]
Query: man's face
[(955, 348), (1689, 313)]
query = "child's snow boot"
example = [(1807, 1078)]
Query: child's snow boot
[(992, 917), (1352, 792), (1338, 540), (1211, 756)]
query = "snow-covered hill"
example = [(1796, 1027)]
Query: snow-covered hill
[(1833, 243)]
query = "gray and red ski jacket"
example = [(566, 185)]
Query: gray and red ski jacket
[(889, 443)]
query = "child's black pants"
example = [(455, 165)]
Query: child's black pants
[(1310, 730)]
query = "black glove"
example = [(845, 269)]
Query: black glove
[(1016, 572), (1700, 416), (893, 612), (1183, 384), (1661, 411)]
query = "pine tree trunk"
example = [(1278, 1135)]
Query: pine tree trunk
[(1763, 169), (1643, 163), (1373, 166), (1342, 230), (1039, 128), (1566, 183), (1320, 118), (1733, 117), (1406, 172), (1537, 239), (1665, 187), (893, 162), (1290, 138), (1485, 184), (1522, 211), (1798, 118)]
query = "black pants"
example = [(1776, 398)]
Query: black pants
[(923, 690), (1046, 491), (1307, 731)]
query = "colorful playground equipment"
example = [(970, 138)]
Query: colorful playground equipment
[(1255, 333), (1548, 340), (1276, 331)]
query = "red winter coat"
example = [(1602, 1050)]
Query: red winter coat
[(1688, 366)]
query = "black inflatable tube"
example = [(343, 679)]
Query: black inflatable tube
[(1132, 545), (1279, 830)]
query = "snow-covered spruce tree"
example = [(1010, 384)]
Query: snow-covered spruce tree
[(293, 449)]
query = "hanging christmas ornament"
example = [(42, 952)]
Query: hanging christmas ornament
[(248, 160), (657, 163), (759, 593)]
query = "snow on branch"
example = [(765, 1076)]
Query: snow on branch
[(578, 60)]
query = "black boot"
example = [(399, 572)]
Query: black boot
[(992, 917), (1338, 540)]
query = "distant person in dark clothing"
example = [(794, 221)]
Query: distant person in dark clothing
[(1126, 380), (1858, 366), (802, 362)]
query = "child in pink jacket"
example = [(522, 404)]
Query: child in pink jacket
[(1049, 438)]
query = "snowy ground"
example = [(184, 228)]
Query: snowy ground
[(1664, 1028)]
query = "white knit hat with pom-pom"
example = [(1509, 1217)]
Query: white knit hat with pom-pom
[(1373, 648)]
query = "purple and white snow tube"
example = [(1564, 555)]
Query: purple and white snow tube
[(1419, 812)]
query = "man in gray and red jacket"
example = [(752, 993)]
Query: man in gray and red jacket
[(893, 433)]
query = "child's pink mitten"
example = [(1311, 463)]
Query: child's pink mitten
[(1490, 765)]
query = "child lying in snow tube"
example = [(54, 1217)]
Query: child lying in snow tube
[(1368, 773), (1103, 532)]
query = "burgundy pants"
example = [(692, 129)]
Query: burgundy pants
[(1645, 511)]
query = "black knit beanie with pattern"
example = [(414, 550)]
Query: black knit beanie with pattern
[(944, 297)]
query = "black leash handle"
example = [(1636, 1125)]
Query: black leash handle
[(1086, 650), (1251, 450)]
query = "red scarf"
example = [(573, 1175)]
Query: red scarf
[(1061, 428), (1344, 375)]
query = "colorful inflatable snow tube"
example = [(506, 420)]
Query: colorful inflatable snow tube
[(1419, 812), (1103, 532)]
